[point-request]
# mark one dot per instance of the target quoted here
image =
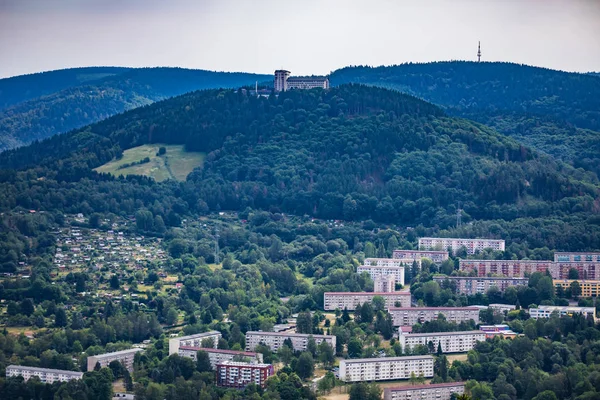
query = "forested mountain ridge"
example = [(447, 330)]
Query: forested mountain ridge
[(352, 152), (21, 88), (552, 111), (88, 95)]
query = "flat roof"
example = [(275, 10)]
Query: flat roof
[(480, 278), (432, 308), (243, 364), (421, 387), (399, 267), (117, 353), (422, 251), (383, 359), (223, 351), (197, 335), (577, 253), (288, 334), (443, 238), (478, 332), (564, 308), (370, 293), (509, 261), (46, 370)]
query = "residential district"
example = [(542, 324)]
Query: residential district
[(101, 250)]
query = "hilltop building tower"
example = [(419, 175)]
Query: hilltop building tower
[(283, 82)]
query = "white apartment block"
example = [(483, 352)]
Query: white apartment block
[(452, 342), (577, 257), (471, 285), (409, 316), (384, 284), (275, 340), (386, 368), (502, 307), (349, 300), (283, 82), (193, 341), (281, 77), (124, 356), (507, 268), (218, 355), (380, 270), (430, 391), (410, 255), (46, 375), (472, 245), (546, 311), (386, 262)]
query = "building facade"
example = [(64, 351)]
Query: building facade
[(217, 356), (275, 340), (384, 284), (124, 356), (386, 368), (576, 257), (385, 262), (585, 270), (546, 311), (380, 270), (193, 341), (349, 300), (409, 316), (281, 77), (502, 307), (283, 81), (46, 375), (411, 255), (455, 244), (239, 375), (506, 268), (430, 391), (470, 285), (588, 288), (498, 330), (451, 342)]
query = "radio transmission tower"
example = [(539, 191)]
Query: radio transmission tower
[(216, 245), (479, 52)]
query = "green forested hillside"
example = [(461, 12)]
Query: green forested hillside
[(552, 111), (349, 153), (83, 96)]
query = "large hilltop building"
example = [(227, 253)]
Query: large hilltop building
[(284, 82)]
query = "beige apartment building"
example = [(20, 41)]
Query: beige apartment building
[(275, 340), (386, 368), (455, 244), (349, 300), (410, 255), (384, 284), (219, 355), (409, 316), (430, 391), (376, 271), (124, 356), (506, 268), (471, 285), (45, 375), (193, 341), (452, 342)]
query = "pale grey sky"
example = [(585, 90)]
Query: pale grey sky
[(305, 37)]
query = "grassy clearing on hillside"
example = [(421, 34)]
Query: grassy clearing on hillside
[(176, 163)]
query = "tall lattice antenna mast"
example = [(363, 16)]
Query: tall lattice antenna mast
[(216, 245), (479, 52)]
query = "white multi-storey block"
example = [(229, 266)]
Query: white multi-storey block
[(125, 357), (219, 355), (471, 245), (385, 262), (384, 284), (471, 285), (283, 81), (193, 341), (376, 271), (430, 391), (45, 375), (275, 340), (577, 257), (546, 311), (410, 255), (409, 316), (451, 342), (386, 368), (507, 268), (349, 300)]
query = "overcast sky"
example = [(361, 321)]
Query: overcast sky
[(305, 37)]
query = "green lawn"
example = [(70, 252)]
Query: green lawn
[(175, 164)]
